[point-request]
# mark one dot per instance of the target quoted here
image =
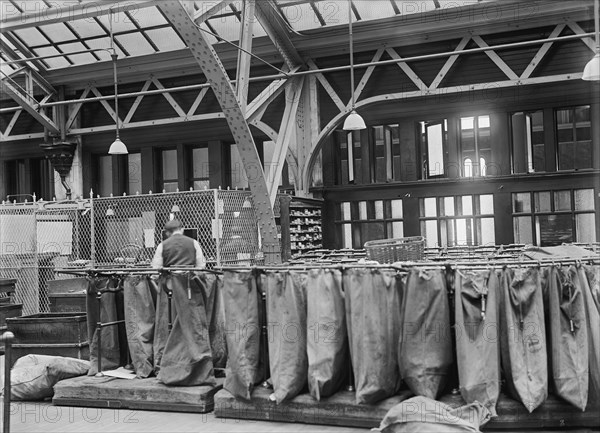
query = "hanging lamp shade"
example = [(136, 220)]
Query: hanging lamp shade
[(118, 148), (591, 72), (354, 122)]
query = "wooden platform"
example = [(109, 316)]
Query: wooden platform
[(341, 410), (138, 394)]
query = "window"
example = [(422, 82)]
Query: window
[(104, 175), (475, 145), (134, 173), (349, 153), (169, 179), (433, 137), (24, 177), (386, 153), (574, 137), (362, 221), (199, 171), (458, 220), (529, 150), (547, 218)]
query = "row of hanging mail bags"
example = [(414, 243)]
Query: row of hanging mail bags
[(307, 332)]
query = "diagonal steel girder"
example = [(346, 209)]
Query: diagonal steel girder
[(216, 75), (25, 101)]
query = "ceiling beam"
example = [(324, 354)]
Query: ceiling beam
[(202, 15), (243, 65), (274, 25), (27, 102), (14, 20)]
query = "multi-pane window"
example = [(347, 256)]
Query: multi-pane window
[(433, 136), (349, 155), (362, 221), (199, 170), (458, 220), (529, 149), (547, 218), (169, 174), (386, 153), (134, 173), (574, 138), (475, 145)]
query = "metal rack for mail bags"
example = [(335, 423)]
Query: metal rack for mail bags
[(396, 250)]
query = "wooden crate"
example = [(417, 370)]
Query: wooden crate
[(49, 328), (79, 351), (8, 311)]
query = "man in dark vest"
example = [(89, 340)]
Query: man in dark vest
[(177, 249), (182, 355)]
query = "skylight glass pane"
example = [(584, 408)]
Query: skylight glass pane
[(227, 27), (104, 43), (31, 36), (148, 17), (301, 16), (77, 58), (135, 44), (373, 9), (87, 28), (58, 32), (55, 62), (334, 12), (166, 39), (120, 22)]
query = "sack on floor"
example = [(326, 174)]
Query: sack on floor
[(373, 299), (286, 316), (33, 376), (111, 354), (242, 330), (593, 331), (523, 336), (425, 348), (424, 415), (568, 342), (476, 328), (327, 338)]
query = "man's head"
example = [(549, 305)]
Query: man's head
[(173, 226)]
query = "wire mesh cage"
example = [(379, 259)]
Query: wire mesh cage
[(127, 229), (35, 239)]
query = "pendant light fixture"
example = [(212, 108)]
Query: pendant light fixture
[(591, 72), (354, 121), (117, 147)]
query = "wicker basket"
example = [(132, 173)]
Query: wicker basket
[(396, 250)]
